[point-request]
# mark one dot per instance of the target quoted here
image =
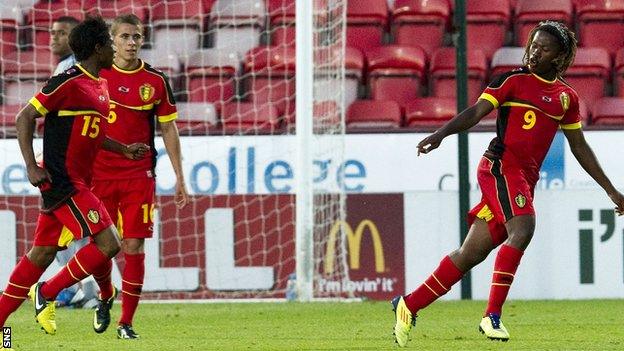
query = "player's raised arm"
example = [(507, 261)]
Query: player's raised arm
[(463, 121), (25, 124), (587, 159)]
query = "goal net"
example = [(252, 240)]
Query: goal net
[(232, 67)]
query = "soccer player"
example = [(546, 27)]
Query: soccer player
[(75, 104), (59, 42), (534, 102), (139, 95)]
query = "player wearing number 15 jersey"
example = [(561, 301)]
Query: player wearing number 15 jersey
[(533, 103), (140, 96)]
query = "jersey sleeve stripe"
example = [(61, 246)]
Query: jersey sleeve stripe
[(38, 106), (65, 113), (168, 118), (490, 98), (137, 108), (570, 126)]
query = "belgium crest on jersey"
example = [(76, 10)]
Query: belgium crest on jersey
[(520, 200), (93, 216), (146, 91), (565, 100)]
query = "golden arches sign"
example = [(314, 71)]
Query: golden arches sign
[(354, 241)]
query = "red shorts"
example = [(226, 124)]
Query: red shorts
[(130, 203), (506, 193), (81, 216)]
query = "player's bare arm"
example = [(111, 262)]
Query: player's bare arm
[(25, 124), (463, 121), (171, 138), (587, 159), (134, 151)]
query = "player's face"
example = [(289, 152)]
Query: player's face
[(59, 38), (107, 54), (128, 40), (543, 50)]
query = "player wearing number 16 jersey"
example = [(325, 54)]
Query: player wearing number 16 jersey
[(533, 103), (140, 96)]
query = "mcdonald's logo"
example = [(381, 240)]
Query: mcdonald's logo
[(354, 242)]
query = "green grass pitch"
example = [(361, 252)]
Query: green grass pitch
[(534, 325)]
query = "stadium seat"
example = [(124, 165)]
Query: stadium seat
[(325, 114), (240, 23), (487, 23), (619, 73), (168, 63), (396, 73), (325, 85), (373, 115), (282, 19), (9, 19), (211, 76), (609, 111), (421, 23), (110, 9), (41, 16), (7, 120), (430, 112), (589, 74), (250, 118), (531, 12), (366, 23), (601, 24), (177, 26), (271, 76), (24, 73), (506, 59), (196, 118), (442, 73)]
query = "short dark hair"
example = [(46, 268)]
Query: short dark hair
[(73, 21), (86, 35)]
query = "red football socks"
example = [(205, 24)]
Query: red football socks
[(83, 264), (24, 275), (505, 266), (131, 286), (438, 284), (102, 276)]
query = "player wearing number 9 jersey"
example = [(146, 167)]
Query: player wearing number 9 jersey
[(140, 96), (533, 103)]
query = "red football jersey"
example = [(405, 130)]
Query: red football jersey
[(531, 110), (75, 105), (137, 97)]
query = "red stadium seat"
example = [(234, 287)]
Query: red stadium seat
[(419, 22), (429, 113), (531, 12), (487, 23), (110, 9), (44, 13), (442, 76), (325, 85), (196, 118), (240, 24), (325, 114), (282, 19), (601, 24), (211, 76), (589, 74), (619, 73), (272, 76), (396, 72), (250, 118), (506, 59), (7, 120), (609, 111), (373, 114), (182, 20), (9, 19), (366, 22), (24, 73)]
